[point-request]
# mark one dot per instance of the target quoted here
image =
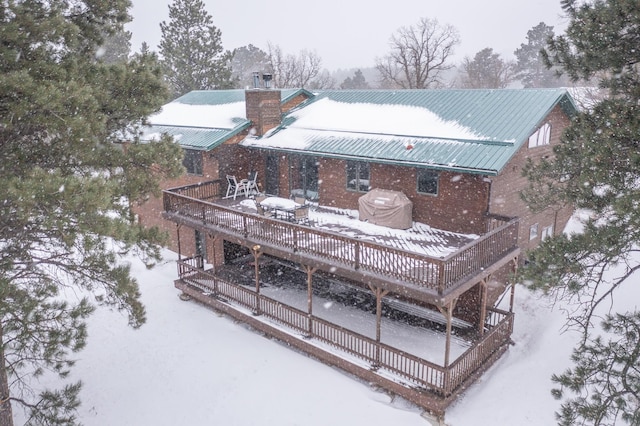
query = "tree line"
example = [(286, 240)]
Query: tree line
[(420, 57)]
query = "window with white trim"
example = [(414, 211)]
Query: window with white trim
[(541, 137), (533, 232), (547, 232)]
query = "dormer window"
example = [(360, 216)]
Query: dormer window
[(541, 137)]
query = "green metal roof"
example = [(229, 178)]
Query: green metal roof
[(205, 137), (496, 124), (198, 138), (441, 154)]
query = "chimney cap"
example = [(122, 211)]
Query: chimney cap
[(266, 77), (256, 79)]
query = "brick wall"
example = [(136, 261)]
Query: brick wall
[(263, 109), (506, 188), (150, 213), (459, 206)]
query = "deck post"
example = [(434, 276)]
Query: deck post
[(483, 304), (448, 313), (256, 257), (179, 247), (379, 293), (441, 277), (356, 254), (214, 240), (212, 258), (513, 284), (310, 270)]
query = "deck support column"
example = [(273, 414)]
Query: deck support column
[(483, 304), (214, 239), (447, 311), (379, 293), (179, 246), (310, 271), (513, 284), (255, 250)]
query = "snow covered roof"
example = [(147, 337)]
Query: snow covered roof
[(204, 119), (463, 130)]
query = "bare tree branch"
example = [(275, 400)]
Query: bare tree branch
[(419, 54)]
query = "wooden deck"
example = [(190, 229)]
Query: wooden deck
[(423, 264), (383, 261), (428, 384)]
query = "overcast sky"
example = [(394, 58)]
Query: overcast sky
[(351, 34)]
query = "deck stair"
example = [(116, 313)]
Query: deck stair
[(425, 313)]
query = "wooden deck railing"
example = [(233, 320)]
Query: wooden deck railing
[(475, 357), (443, 381), (201, 191), (437, 274)]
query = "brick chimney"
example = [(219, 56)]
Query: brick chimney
[(263, 109)]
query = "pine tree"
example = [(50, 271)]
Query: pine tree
[(597, 168), (486, 71), (191, 50), (530, 66), (116, 47), (617, 383), (246, 61), (67, 190), (357, 82)]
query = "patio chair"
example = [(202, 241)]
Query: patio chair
[(301, 215), (262, 211), (234, 187), (252, 184), (300, 200)]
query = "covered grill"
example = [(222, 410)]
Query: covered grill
[(386, 208)]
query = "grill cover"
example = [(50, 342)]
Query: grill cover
[(386, 208)]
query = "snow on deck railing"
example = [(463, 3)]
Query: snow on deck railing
[(439, 379), (437, 274)]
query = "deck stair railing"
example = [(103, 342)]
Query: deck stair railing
[(197, 202)]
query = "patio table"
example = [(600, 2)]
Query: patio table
[(282, 208)]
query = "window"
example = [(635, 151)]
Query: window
[(304, 176), (192, 162), (427, 182), (541, 137), (358, 176), (547, 232), (533, 232)]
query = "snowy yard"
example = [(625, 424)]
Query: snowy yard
[(422, 342), (191, 366)]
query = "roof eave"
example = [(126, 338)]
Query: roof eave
[(233, 132), (295, 93), (403, 163)]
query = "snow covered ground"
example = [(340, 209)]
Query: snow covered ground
[(190, 366)]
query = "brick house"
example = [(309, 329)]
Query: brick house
[(209, 126), (455, 155)]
